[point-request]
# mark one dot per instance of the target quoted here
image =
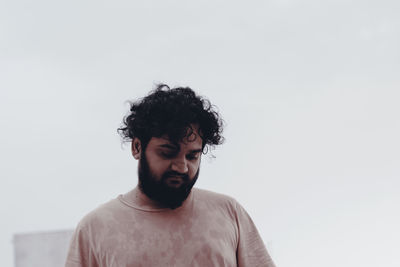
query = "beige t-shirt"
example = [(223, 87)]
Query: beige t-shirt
[(209, 229)]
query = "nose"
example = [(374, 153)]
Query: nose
[(180, 165)]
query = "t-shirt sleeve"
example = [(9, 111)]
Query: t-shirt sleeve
[(81, 252), (251, 251)]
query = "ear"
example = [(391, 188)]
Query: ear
[(136, 148)]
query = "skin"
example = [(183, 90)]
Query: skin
[(163, 156)]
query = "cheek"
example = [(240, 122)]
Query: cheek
[(193, 168), (159, 167)]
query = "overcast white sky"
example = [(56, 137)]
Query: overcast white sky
[(309, 91)]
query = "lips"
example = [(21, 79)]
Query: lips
[(175, 177), (175, 181)]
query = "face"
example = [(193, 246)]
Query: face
[(168, 171)]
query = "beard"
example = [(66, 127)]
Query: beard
[(158, 189)]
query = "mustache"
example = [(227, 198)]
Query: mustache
[(176, 174)]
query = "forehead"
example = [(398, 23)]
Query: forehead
[(193, 143)]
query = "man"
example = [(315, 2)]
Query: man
[(163, 221)]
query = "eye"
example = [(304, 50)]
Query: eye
[(192, 156), (168, 155)]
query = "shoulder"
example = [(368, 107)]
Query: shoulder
[(214, 200), (219, 201), (102, 215), (204, 194)]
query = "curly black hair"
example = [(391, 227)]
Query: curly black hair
[(171, 112)]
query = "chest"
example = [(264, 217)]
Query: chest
[(200, 238)]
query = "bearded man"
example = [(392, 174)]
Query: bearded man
[(164, 221)]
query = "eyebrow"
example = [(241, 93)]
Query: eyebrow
[(174, 147), (196, 151), (169, 146)]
